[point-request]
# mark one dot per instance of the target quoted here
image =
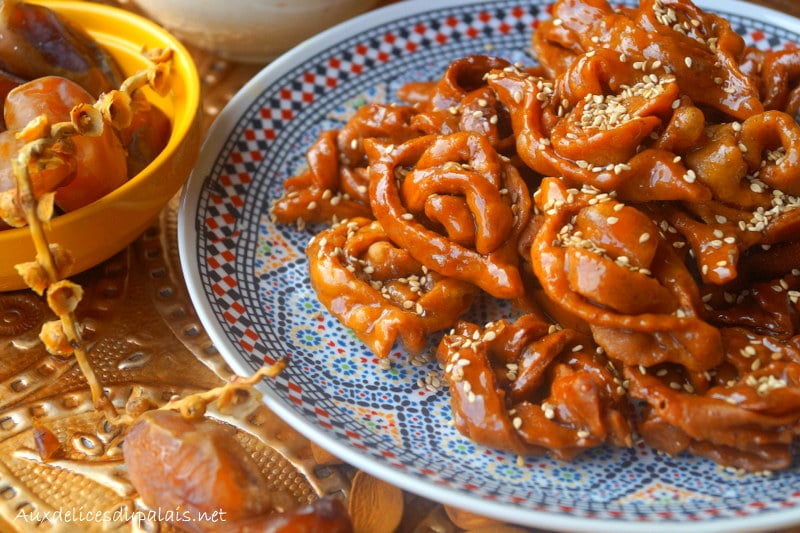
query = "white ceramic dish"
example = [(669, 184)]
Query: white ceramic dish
[(253, 31), (247, 277)]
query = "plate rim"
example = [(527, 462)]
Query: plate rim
[(219, 134)]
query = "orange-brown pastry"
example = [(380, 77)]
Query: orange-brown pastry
[(455, 204), (379, 290), (527, 386), (606, 263), (745, 416)]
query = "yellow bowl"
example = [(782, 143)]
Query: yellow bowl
[(101, 229)]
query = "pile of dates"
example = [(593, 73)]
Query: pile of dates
[(48, 66)]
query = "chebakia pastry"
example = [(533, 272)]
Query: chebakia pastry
[(459, 208), (527, 386), (634, 194), (379, 290)]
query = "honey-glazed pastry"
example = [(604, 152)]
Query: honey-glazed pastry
[(753, 170), (379, 290), (777, 73), (455, 204), (335, 184), (698, 48), (461, 100), (528, 387), (607, 263), (746, 415), (597, 139)]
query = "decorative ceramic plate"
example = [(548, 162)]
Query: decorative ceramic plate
[(248, 279)]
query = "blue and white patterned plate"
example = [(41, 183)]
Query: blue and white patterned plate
[(247, 277)]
